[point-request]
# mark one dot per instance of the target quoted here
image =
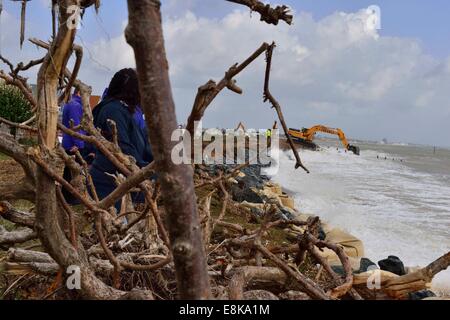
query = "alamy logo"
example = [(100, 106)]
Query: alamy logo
[(373, 21), (73, 22), (73, 281), (374, 280)]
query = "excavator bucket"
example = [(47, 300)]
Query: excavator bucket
[(354, 149)]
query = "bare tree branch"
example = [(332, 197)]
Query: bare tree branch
[(144, 34), (16, 216), (268, 14), (208, 92), (269, 97)]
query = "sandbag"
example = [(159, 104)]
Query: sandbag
[(353, 247), (287, 201)]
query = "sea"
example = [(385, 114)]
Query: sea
[(394, 197)]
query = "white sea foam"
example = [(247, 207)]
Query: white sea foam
[(393, 208)]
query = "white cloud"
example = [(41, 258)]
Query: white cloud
[(334, 71)]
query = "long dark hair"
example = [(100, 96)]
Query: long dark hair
[(124, 86)]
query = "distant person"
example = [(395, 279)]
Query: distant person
[(72, 115), (269, 137), (119, 105)]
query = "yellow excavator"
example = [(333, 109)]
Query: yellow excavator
[(306, 136)]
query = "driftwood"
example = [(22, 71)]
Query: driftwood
[(18, 217), (16, 236), (242, 277), (400, 287)]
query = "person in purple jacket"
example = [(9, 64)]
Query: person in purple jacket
[(73, 111), (73, 114)]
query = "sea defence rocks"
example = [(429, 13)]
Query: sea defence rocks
[(392, 281), (420, 295), (248, 181), (256, 193), (392, 264)]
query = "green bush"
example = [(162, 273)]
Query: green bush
[(13, 105)]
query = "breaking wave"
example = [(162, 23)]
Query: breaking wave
[(393, 208)]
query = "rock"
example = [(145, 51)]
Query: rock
[(359, 265), (241, 193), (338, 269), (286, 214), (253, 177), (364, 265), (322, 235), (392, 264), (249, 180), (420, 295)]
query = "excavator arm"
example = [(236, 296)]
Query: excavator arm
[(307, 136)]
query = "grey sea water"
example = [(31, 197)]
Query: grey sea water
[(396, 198)]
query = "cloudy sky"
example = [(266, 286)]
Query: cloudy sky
[(329, 67)]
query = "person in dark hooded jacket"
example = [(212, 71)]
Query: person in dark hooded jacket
[(119, 105)]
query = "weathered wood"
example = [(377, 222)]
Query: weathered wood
[(400, 287), (306, 284), (16, 236), (22, 189), (22, 218), (22, 255), (49, 74), (48, 269), (144, 34), (243, 276)]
